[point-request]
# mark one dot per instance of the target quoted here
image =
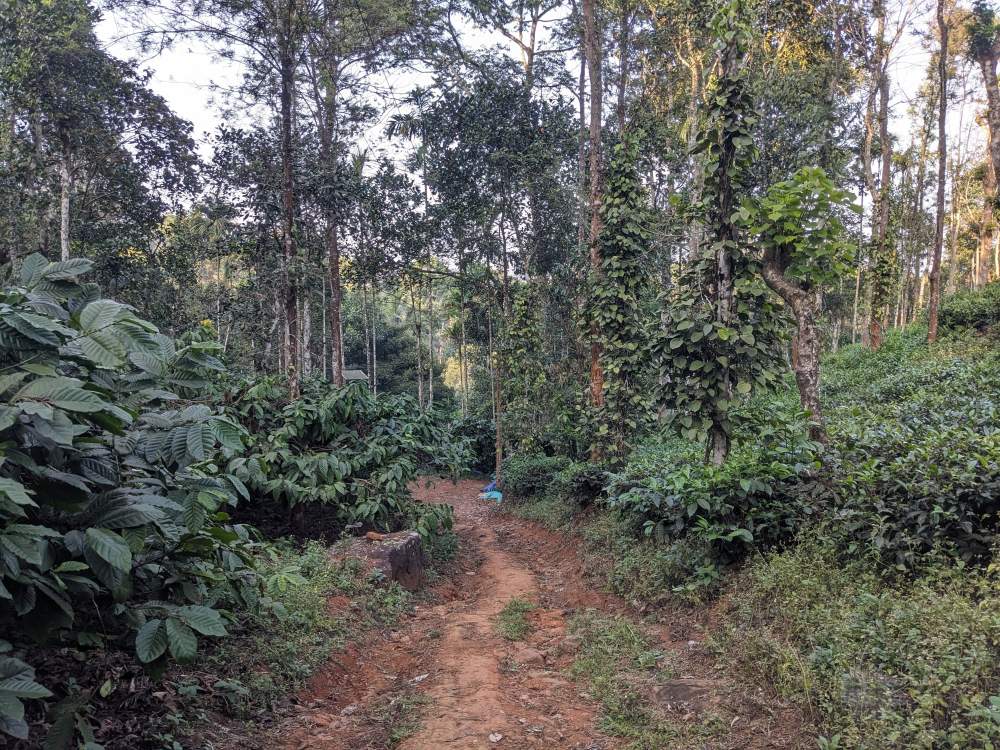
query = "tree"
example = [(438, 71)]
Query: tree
[(89, 117), (616, 303), (804, 250), (592, 52), (935, 276), (720, 333), (984, 47)]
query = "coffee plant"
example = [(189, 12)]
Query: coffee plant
[(112, 503)]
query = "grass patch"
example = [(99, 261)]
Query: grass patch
[(398, 716), (552, 513), (512, 622), (620, 665)]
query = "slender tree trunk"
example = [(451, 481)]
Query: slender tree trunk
[(877, 311), (593, 53), (935, 278), (289, 281), (366, 324), (581, 155), (805, 306), (336, 303), (306, 337), (324, 338), (988, 67), (417, 335), (623, 47), (65, 189)]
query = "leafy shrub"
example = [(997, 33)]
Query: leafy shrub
[(345, 449), (978, 308), (916, 434), (880, 665), (481, 436), (112, 506), (530, 475), (758, 497), (579, 483), (644, 570)]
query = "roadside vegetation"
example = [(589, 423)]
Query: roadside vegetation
[(856, 578)]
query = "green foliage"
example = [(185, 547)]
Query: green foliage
[(880, 665), (798, 220), (721, 330), (579, 484), (522, 368), (347, 449), (615, 311), (977, 309), (481, 436), (111, 504), (512, 622), (528, 476), (919, 458), (756, 500)]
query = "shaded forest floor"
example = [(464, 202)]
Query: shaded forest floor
[(515, 647)]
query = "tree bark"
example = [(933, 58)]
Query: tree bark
[(65, 188), (289, 272), (882, 202), (805, 306), (593, 53), (988, 68), (935, 277)]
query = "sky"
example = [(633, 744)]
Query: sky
[(192, 78)]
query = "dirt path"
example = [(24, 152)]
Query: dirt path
[(448, 679)]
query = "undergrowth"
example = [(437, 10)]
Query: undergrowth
[(512, 622), (621, 669), (269, 658)]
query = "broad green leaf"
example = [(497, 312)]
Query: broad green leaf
[(151, 641), (181, 639), (100, 314), (110, 547), (63, 393), (205, 620)]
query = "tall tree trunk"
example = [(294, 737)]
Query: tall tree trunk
[(324, 339), (935, 278), (289, 281), (366, 324), (877, 311), (65, 190), (306, 336), (593, 53), (417, 336), (988, 67), (336, 302), (625, 30)]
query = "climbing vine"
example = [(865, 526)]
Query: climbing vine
[(721, 330), (524, 368), (616, 310)]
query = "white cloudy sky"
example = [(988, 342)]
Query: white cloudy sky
[(189, 76)]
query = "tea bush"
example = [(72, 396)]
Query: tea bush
[(880, 664), (529, 476), (978, 308)]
